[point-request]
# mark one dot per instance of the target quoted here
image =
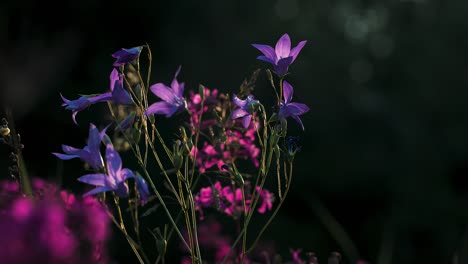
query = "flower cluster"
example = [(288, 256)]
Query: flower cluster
[(230, 200), (52, 226), (230, 140)]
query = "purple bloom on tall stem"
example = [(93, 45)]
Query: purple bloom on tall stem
[(173, 100), (117, 94), (289, 109), (282, 55), (115, 178), (81, 103), (90, 153), (124, 56), (245, 110)]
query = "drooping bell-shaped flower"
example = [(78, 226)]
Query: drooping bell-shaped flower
[(245, 110), (124, 56)]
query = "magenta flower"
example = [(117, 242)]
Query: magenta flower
[(173, 100), (90, 153), (124, 56), (282, 56), (115, 178), (266, 201), (245, 110), (289, 109)]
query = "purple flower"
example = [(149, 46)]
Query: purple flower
[(115, 178), (173, 100), (142, 189), (289, 109), (90, 153), (117, 94), (124, 56), (245, 110), (81, 103), (282, 56)]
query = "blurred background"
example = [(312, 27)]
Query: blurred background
[(385, 150)]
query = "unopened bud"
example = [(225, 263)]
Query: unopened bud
[(4, 131)]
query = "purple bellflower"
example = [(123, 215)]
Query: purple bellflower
[(115, 178), (81, 103), (289, 109), (282, 56), (245, 110), (90, 153), (173, 100), (124, 56), (117, 94)]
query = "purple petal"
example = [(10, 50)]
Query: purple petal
[(283, 47), (97, 190), (70, 150), (65, 100), (281, 67), (113, 161), (161, 108), (74, 113), (163, 92), (246, 120), (142, 189), (120, 95), (238, 113), (295, 51), (97, 179), (265, 58), (94, 138), (240, 103), (299, 121), (65, 156), (268, 51), (121, 190), (297, 108), (125, 174), (287, 92), (176, 86), (100, 98), (114, 76)]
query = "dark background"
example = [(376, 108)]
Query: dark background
[(385, 150)]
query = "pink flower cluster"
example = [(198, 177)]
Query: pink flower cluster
[(229, 200), (228, 140), (53, 226)]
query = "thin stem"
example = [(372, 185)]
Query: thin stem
[(276, 210)]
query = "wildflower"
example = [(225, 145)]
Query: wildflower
[(266, 201), (115, 178), (282, 56), (117, 90), (124, 56), (90, 153), (81, 103), (117, 94), (289, 109), (142, 189), (173, 100), (245, 110)]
